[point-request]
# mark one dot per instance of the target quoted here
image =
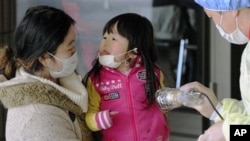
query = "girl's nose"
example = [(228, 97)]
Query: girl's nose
[(106, 43)]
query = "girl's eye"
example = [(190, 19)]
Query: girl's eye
[(104, 37), (113, 39)]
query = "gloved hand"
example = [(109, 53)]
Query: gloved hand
[(205, 107), (213, 133)]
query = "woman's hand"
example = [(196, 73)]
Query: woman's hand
[(205, 108)]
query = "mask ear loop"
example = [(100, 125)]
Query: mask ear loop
[(237, 23), (135, 50), (126, 62), (221, 17), (55, 56)]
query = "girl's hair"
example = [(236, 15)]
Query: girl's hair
[(7, 63), (139, 32), (42, 30)]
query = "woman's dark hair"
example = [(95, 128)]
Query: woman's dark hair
[(139, 32), (7, 63), (42, 30)]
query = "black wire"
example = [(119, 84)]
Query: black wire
[(213, 106)]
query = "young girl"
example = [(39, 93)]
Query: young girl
[(123, 81)]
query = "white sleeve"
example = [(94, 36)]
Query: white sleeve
[(39, 122)]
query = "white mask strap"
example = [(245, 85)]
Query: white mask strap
[(237, 22), (221, 17), (135, 50)]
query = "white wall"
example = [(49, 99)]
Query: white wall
[(220, 63)]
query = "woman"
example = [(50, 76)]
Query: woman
[(232, 21), (42, 103)]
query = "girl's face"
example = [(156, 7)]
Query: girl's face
[(113, 44)]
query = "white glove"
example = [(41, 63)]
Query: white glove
[(213, 133), (205, 108)]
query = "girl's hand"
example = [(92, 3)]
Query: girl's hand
[(111, 113), (104, 118)]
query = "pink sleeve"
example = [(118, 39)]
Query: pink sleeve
[(103, 119)]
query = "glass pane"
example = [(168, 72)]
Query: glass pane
[(90, 15)]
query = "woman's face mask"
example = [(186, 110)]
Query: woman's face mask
[(109, 60), (236, 37), (68, 66)]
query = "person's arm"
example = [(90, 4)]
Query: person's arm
[(213, 133), (41, 122), (234, 112), (208, 98), (96, 120), (229, 106)]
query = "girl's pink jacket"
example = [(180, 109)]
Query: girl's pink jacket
[(125, 94)]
